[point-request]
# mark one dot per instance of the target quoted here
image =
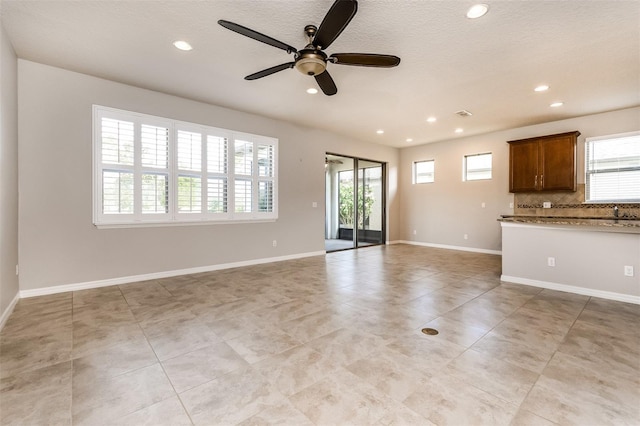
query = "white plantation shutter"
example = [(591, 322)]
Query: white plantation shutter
[(244, 158), (613, 168), (155, 193), (217, 169), (131, 167), (117, 141), (243, 195), (265, 196), (189, 194), (189, 166), (217, 154), (154, 159), (117, 146), (155, 146), (216, 195), (255, 176), (243, 191), (152, 170), (117, 192), (265, 178), (265, 160), (189, 151)]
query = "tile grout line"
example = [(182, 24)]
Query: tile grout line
[(552, 356), (163, 371), (469, 348)]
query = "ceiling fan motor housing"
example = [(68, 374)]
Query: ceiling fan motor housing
[(311, 62)]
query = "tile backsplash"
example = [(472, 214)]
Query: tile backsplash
[(569, 204)]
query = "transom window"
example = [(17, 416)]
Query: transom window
[(424, 171), (477, 167), (153, 170), (613, 168)]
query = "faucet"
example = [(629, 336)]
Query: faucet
[(615, 211)]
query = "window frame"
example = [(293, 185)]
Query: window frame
[(415, 171), (465, 171), (587, 174), (173, 216)]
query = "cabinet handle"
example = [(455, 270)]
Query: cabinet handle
[(541, 181), (535, 183)]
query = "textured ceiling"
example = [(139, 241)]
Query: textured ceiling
[(588, 52)]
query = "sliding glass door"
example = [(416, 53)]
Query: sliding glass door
[(370, 205), (355, 214)]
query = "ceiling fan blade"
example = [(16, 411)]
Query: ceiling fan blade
[(326, 83), (335, 21), (269, 71), (248, 32), (365, 59)]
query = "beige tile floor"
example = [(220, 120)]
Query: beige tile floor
[(327, 341)]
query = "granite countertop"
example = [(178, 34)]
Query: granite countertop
[(631, 223)]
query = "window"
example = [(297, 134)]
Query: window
[(613, 168), (477, 167), (152, 170), (424, 171)]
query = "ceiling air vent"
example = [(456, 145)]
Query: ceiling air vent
[(463, 113)]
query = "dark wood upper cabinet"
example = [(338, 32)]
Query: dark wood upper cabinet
[(545, 163)]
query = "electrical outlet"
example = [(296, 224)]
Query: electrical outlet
[(628, 271), (275, 243), (484, 205), (314, 204), (510, 205), (465, 236), (546, 205), (17, 270), (415, 232), (551, 261)]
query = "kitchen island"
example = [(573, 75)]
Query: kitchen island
[(593, 256)]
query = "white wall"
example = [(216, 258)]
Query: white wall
[(587, 261), (443, 211), (59, 244), (8, 176)]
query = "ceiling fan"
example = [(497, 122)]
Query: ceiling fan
[(312, 60)]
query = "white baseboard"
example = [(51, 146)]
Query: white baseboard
[(573, 289), (8, 311), (448, 247), (156, 275)]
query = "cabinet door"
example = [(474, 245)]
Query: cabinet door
[(523, 166), (558, 163)]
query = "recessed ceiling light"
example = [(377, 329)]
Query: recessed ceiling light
[(409, 140), (312, 90), (541, 88), (556, 104), (182, 45), (477, 11), (459, 130), (380, 131), (431, 120)]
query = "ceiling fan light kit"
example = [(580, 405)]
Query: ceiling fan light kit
[(312, 60)]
